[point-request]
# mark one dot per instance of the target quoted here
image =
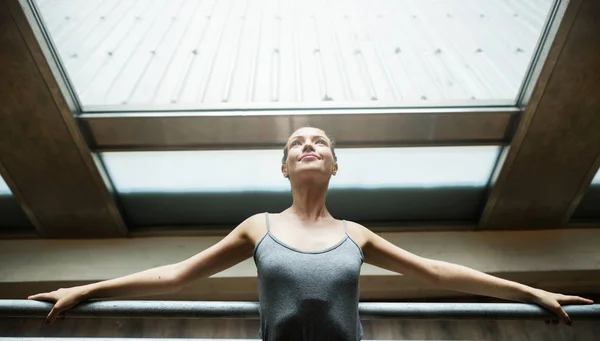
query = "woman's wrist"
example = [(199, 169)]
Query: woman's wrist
[(87, 291), (533, 294)]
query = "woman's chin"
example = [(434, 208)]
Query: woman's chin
[(309, 174)]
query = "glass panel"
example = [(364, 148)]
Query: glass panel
[(589, 207), (596, 180), (373, 184), (4, 190), (234, 170), (129, 54), (12, 218)]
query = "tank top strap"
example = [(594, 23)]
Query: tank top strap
[(345, 227), (267, 220)]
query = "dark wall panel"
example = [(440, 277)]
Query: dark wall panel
[(589, 207), (12, 217), (361, 205)]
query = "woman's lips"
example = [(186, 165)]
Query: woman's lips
[(309, 156)]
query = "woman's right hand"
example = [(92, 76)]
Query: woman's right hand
[(63, 299)]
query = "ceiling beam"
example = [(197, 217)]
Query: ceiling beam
[(554, 153), (43, 157), (263, 129)]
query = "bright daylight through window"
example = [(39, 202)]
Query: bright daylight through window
[(248, 170), (4, 190), (228, 54)]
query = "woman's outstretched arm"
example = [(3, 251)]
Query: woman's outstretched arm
[(234, 248), (381, 253), (460, 278)]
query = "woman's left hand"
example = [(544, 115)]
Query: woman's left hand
[(552, 301)]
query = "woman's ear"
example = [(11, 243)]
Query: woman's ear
[(335, 169), (284, 170)]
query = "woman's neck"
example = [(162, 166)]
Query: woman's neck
[(309, 202)]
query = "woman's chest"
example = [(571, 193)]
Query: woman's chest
[(280, 263)]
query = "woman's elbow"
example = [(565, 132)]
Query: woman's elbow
[(176, 278), (431, 272)]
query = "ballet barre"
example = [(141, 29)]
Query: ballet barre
[(122, 339), (250, 310)]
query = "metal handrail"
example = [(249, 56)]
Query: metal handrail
[(126, 339), (250, 310)]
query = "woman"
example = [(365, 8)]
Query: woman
[(308, 262)]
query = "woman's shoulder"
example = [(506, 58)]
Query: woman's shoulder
[(255, 226), (358, 233)]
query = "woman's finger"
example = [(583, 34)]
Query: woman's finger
[(562, 314), (46, 296), (575, 300), (52, 315)]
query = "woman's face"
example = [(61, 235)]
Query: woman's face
[(309, 155)]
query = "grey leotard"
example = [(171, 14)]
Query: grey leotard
[(308, 295)]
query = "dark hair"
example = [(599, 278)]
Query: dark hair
[(332, 146)]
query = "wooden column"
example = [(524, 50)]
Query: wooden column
[(43, 157), (555, 152)]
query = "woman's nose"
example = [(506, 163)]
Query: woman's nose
[(308, 146)]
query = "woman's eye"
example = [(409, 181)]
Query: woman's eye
[(321, 141), (295, 143)]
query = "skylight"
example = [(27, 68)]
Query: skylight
[(226, 54), (4, 187), (257, 170)]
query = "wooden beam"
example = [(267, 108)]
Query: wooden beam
[(44, 159), (564, 260), (351, 128), (554, 154)]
